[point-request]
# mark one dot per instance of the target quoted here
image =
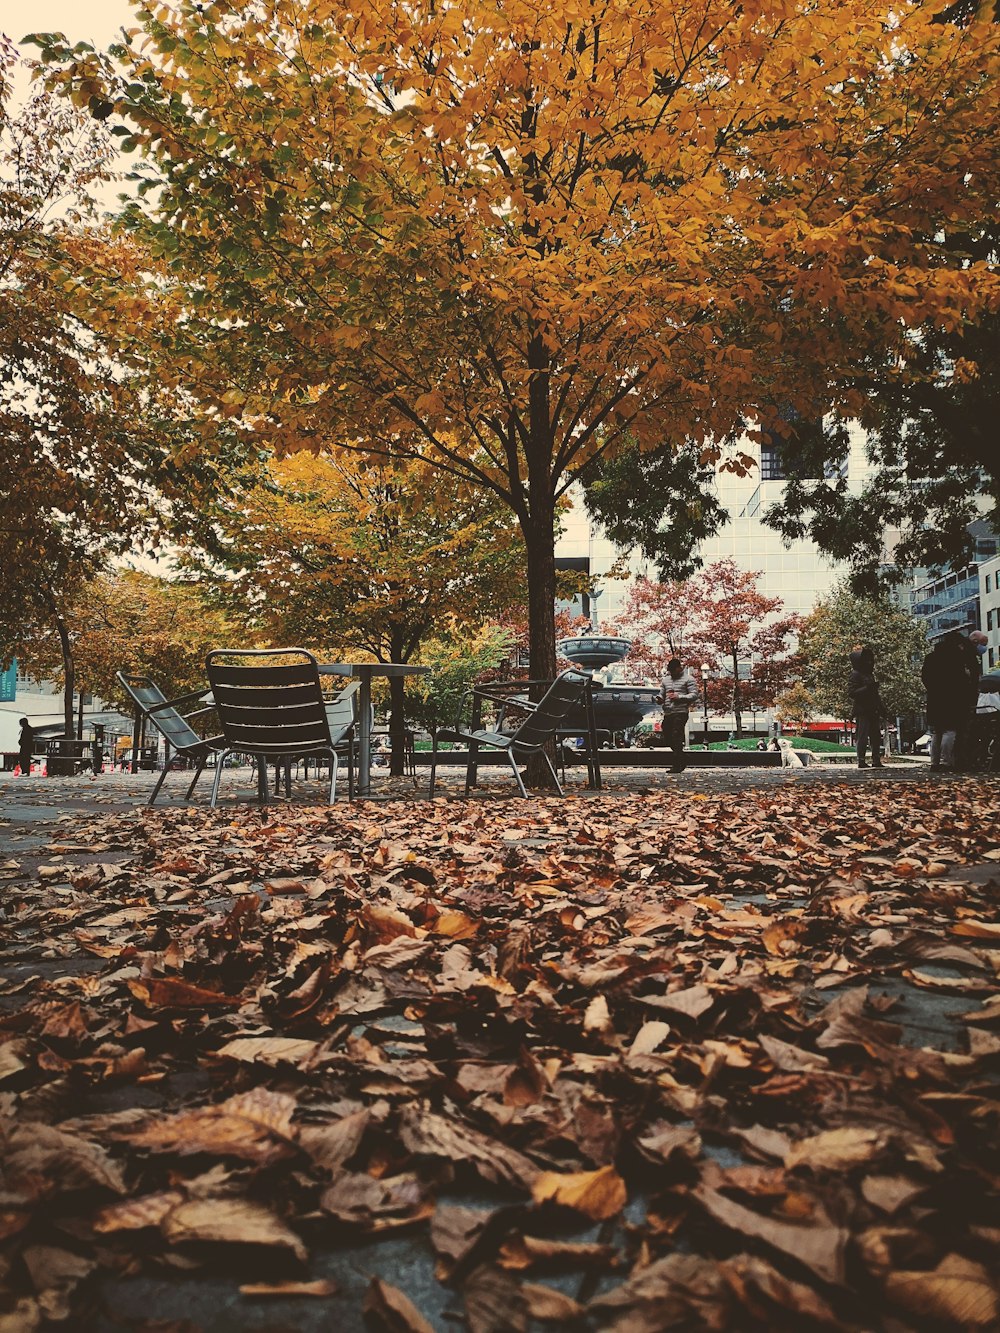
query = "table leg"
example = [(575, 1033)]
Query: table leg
[(594, 758), (365, 735)]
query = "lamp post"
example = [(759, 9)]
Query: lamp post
[(704, 699)]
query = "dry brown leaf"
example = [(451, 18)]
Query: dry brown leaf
[(549, 1305), (649, 1037), (597, 1194), (663, 1141), (980, 930), (957, 1290), (494, 1302), (172, 993), (376, 1205), (232, 1221), (321, 1287), (837, 1149), (890, 1193), (148, 1210), (597, 1017), (64, 1161), (392, 1311), (760, 1287), (693, 1001), (521, 1252), (455, 925), (330, 1146), (424, 1132), (269, 1050), (791, 1059), (214, 1130), (819, 1245)]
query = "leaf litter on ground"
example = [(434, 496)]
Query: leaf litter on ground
[(674, 1042)]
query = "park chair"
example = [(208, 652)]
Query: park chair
[(530, 737), (174, 726), (271, 706)]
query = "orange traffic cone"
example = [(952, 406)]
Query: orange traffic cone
[(45, 768), (17, 770)]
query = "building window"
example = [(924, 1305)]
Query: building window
[(771, 466), (989, 619), (988, 576)]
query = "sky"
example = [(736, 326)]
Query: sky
[(95, 21)]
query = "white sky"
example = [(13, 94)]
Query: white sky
[(96, 21)]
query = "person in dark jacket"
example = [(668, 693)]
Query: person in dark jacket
[(946, 677), (25, 745), (868, 709)]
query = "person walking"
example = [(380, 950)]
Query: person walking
[(679, 692), (868, 710), (946, 676), (25, 746)]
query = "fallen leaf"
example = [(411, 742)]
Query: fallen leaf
[(818, 1245), (232, 1221), (321, 1287), (957, 1290), (392, 1311), (597, 1194), (837, 1149)]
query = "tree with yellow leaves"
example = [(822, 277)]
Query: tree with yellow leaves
[(362, 559), (501, 238)]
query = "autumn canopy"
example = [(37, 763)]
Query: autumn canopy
[(505, 237)]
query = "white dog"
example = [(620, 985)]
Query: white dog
[(789, 759)]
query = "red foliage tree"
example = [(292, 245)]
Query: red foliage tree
[(719, 619)]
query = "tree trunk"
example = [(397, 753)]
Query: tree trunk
[(736, 693), (397, 713), (541, 568), (69, 676)]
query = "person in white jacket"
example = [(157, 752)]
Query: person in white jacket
[(679, 693)]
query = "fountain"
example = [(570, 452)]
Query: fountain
[(617, 706)]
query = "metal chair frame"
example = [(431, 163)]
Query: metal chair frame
[(531, 736), (273, 708), (174, 726)]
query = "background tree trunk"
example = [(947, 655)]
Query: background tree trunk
[(736, 692), (397, 711), (69, 676)]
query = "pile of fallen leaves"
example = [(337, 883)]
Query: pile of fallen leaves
[(638, 1064)]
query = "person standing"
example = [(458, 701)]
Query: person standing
[(973, 648), (25, 746), (679, 692), (946, 677), (868, 710)]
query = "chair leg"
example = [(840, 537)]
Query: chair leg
[(159, 783), (218, 777), (555, 776), (288, 779), (333, 776), (434, 760), (197, 774), (517, 774)]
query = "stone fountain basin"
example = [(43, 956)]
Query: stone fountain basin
[(594, 650), (617, 707)]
